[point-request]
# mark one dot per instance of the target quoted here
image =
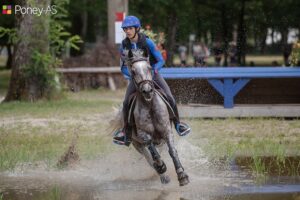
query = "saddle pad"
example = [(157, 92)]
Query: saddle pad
[(132, 101)]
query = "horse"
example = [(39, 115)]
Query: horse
[(152, 124)]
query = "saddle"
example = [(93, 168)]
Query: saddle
[(158, 91)]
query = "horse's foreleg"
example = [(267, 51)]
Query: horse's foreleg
[(158, 164), (183, 178)]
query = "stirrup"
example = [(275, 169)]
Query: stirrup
[(118, 142), (184, 125), (120, 138)]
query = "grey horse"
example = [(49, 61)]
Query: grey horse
[(152, 125)]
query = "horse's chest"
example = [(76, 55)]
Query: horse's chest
[(143, 119), (151, 119)]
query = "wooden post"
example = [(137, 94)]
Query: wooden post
[(111, 83), (114, 6)]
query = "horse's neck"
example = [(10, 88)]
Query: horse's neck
[(156, 101), (143, 103), (150, 116)]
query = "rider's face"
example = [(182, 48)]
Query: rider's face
[(130, 31)]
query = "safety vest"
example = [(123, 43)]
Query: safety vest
[(141, 44)]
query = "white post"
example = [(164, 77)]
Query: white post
[(114, 6)]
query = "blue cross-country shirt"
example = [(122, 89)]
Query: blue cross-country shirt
[(153, 50)]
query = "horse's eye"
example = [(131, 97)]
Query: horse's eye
[(133, 72)]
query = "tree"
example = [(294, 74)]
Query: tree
[(241, 40), (7, 22), (40, 41), (88, 19), (216, 20), (32, 34)]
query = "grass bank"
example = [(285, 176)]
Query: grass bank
[(34, 134), (265, 146), (41, 132)]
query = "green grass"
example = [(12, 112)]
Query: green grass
[(29, 144), (258, 166), (64, 107), (42, 131), (35, 133), (256, 138), (3, 61), (246, 137)]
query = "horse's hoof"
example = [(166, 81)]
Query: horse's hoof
[(183, 179), (165, 179), (160, 169)]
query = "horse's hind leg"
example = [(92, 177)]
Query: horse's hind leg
[(183, 178)]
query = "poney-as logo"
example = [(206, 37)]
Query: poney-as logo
[(7, 10)]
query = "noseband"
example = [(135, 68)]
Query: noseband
[(140, 84), (143, 82)]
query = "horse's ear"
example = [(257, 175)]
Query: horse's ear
[(145, 52), (130, 54)]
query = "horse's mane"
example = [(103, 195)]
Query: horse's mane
[(136, 55)]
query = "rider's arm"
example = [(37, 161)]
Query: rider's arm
[(156, 53), (124, 68)]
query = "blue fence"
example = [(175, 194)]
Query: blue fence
[(228, 81)]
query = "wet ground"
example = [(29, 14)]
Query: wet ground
[(125, 175)]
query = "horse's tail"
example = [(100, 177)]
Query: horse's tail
[(117, 122)]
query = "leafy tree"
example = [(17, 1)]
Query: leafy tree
[(7, 22), (88, 19), (39, 40)]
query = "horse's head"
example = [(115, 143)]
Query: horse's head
[(140, 70)]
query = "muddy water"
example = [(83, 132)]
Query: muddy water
[(125, 175)]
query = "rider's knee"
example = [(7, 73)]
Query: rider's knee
[(172, 100)]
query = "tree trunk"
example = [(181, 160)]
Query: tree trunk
[(172, 30), (225, 33), (262, 41), (9, 56), (285, 48), (241, 43), (33, 36), (84, 19)]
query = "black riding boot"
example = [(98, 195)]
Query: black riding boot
[(127, 127), (124, 136)]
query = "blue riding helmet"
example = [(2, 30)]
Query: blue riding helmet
[(131, 21)]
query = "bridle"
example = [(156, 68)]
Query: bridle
[(143, 82)]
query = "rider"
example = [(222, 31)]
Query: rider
[(136, 40)]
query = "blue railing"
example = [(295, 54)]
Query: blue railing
[(228, 81)]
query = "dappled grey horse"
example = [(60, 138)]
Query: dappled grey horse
[(151, 119)]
